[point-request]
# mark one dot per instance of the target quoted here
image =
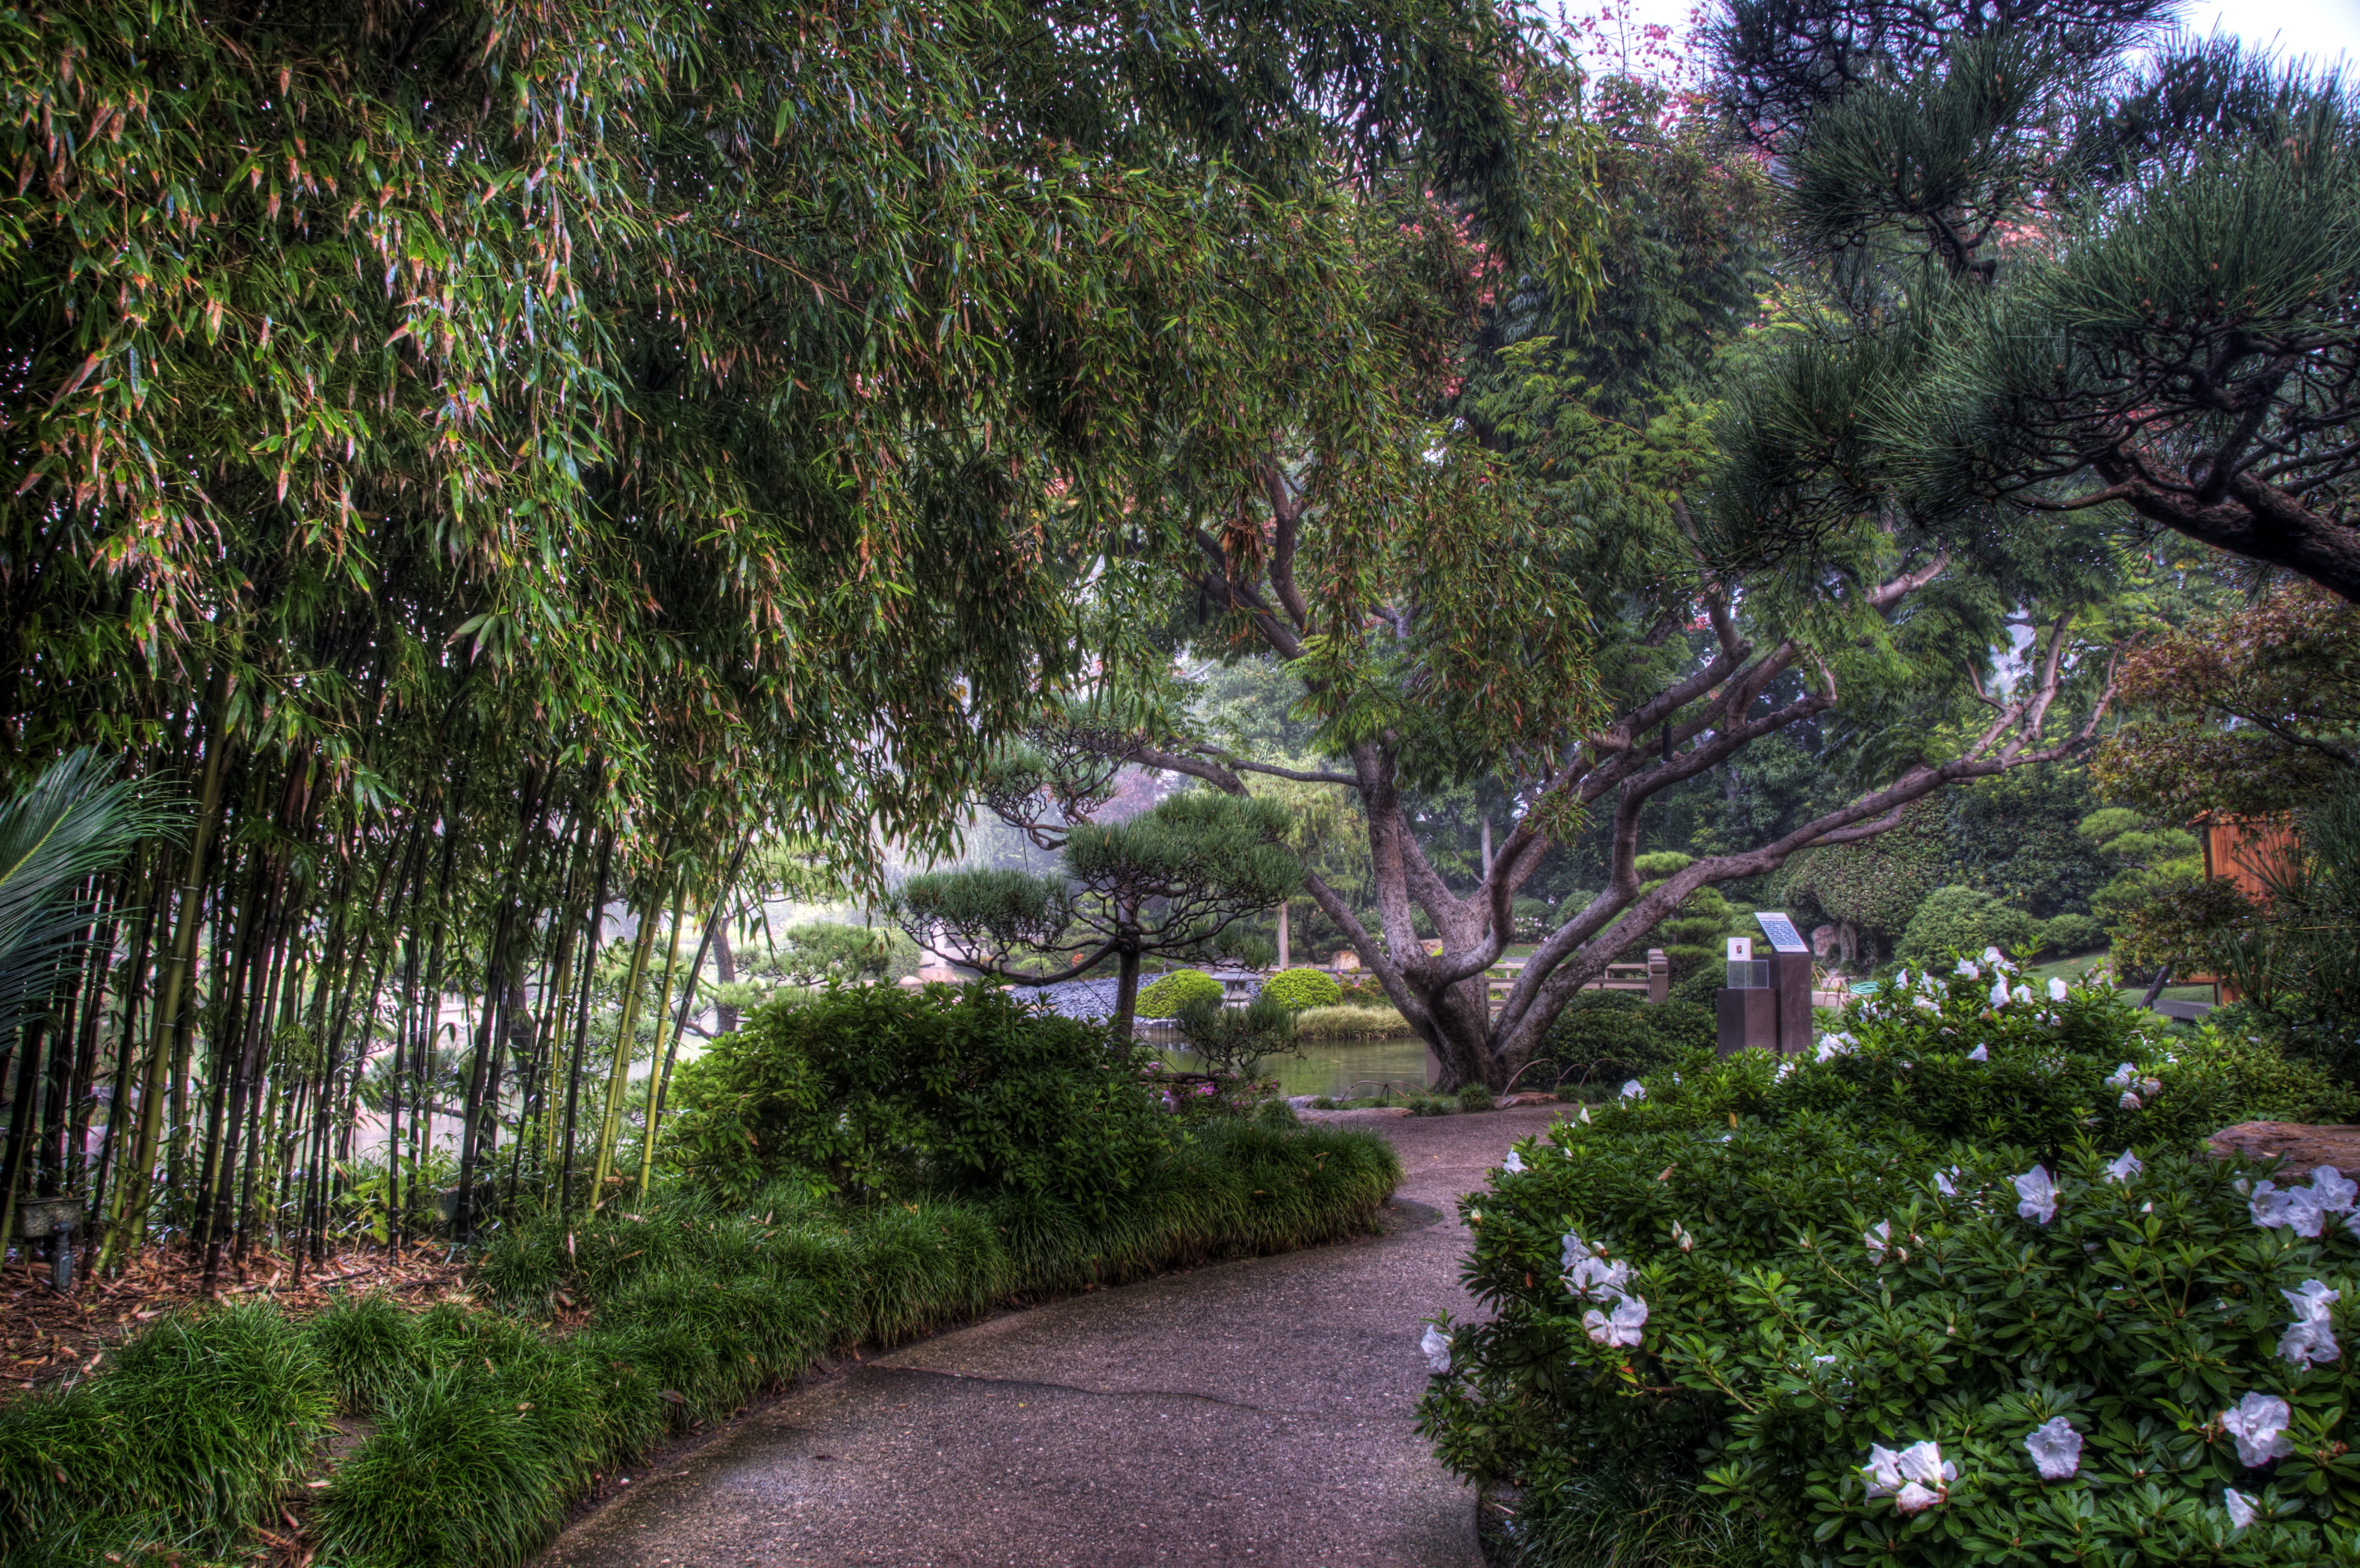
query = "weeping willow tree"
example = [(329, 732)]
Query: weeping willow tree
[(493, 461)]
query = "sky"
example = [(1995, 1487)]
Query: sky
[(2324, 31)]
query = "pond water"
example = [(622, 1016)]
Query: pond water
[(1332, 1067)]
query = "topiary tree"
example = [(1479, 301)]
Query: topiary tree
[(1300, 989), (2066, 935), (1235, 1042), (1956, 920), (1693, 932), (1870, 890), (1174, 880), (1167, 996)]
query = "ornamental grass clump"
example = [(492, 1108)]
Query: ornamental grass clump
[(1828, 1318)]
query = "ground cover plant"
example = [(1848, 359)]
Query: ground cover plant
[(1963, 1288), (912, 1159)]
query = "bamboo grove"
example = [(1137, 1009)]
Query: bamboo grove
[(479, 468)]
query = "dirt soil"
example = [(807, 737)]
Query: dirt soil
[(48, 1339)]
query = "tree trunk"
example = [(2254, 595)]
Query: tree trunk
[(1126, 995)]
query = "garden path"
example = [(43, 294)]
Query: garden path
[(1255, 1412)]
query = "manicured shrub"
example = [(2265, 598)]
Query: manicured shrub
[(1831, 1255), (1809, 1294), (1955, 919), (2069, 935), (1167, 997), (880, 1093), (1300, 989), (1606, 1037)]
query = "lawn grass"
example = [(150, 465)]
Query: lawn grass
[(489, 1422)]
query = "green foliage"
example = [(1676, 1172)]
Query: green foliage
[(198, 1428), (1235, 1042), (2069, 935), (1301, 988), (1783, 1337), (1607, 1037), (2015, 837), (1955, 921), (1874, 887), (1167, 997), (886, 1093), (1351, 1020)]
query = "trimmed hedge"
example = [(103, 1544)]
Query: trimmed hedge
[(1300, 989), (1165, 997)]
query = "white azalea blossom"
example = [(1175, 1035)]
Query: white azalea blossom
[(1879, 1237), (1585, 1116), (2310, 1339), (1967, 970), (2036, 1193), (2055, 1449), (2240, 1507), (1437, 1345), (2305, 1210), (1622, 1329), (1913, 1478), (1944, 1185), (1992, 956), (1980, 1053), (2057, 988), (1783, 1068), (1597, 1276), (1680, 1234), (2129, 1102), (2258, 1423), (1999, 992), (1834, 1045), (1513, 1165), (2124, 1166), (1634, 1089), (1572, 1250), (2122, 1076)]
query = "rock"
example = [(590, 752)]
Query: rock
[(1825, 940), (1364, 1113), (2303, 1148)]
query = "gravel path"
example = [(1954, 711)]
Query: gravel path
[(1255, 1412)]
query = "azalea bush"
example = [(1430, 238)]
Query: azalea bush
[(1871, 1308)]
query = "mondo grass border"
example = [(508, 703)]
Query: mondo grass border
[(489, 1423)]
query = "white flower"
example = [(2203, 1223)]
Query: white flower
[(1622, 1330), (1783, 1068), (1597, 1276), (1680, 1234), (2310, 1342), (2269, 1207), (2258, 1423), (2240, 1507), (1967, 970), (1572, 1249), (2124, 1166), (1992, 956), (2037, 1191), (1513, 1165), (2336, 1193), (2055, 1449), (1634, 1089), (2120, 1078), (2022, 991), (1585, 1116), (1980, 1053), (1914, 1478), (2057, 988), (1880, 1240), (1999, 992), (1944, 1185), (2129, 1102), (1902, 979), (2310, 1339), (1833, 1046), (1437, 1345)]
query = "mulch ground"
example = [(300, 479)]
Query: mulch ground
[(48, 1339)]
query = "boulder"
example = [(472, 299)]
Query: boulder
[(2303, 1148)]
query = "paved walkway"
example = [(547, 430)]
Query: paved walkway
[(1255, 1412)]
